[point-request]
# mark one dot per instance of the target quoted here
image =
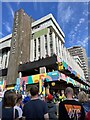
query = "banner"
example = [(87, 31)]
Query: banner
[(50, 76), (54, 76)]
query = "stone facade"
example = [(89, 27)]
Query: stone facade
[(20, 44)]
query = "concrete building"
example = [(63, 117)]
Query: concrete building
[(20, 44), (89, 68), (34, 44), (47, 38), (77, 59), (81, 53), (5, 45)]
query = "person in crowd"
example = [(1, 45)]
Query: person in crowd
[(26, 98), (88, 115), (75, 97), (63, 95), (83, 98), (51, 107), (0, 108), (17, 106), (41, 96), (8, 103), (35, 109), (70, 109)]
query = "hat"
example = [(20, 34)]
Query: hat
[(49, 97)]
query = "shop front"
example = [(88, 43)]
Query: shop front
[(55, 79)]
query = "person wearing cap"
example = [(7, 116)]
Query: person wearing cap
[(51, 107)]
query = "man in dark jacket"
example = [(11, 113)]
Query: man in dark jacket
[(51, 107)]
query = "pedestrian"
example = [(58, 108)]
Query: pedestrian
[(26, 98), (18, 104), (35, 109), (88, 115), (83, 98), (70, 109), (8, 103), (0, 108), (51, 107)]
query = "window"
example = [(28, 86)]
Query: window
[(56, 40), (32, 36), (38, 26), (34, 49), (46, 51), (51, 43), (6, 60), (39, 47)]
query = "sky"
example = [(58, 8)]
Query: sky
[(72, 17)]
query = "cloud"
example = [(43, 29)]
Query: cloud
[(7, 27), (11, 10), (85, 12), (76, 31), (18, 3), (72, 36), (64, 13), (1, 34), (35, 5), (84, 42), (81, 41), (81, 20), (86, 28)]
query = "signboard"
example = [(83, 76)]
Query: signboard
[(50, 76), (54, 75)]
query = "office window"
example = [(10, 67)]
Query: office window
[(39, 47), (46, 51), (34, 49), (6, 60), (56, 45), (59, 47), (32, 36), (51, 43)]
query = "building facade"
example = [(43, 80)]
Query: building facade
[(5, 46), (81, 53), (31, 43), (20, 44), (47, 38)]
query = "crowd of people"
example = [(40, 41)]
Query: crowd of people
[(54, 106)]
